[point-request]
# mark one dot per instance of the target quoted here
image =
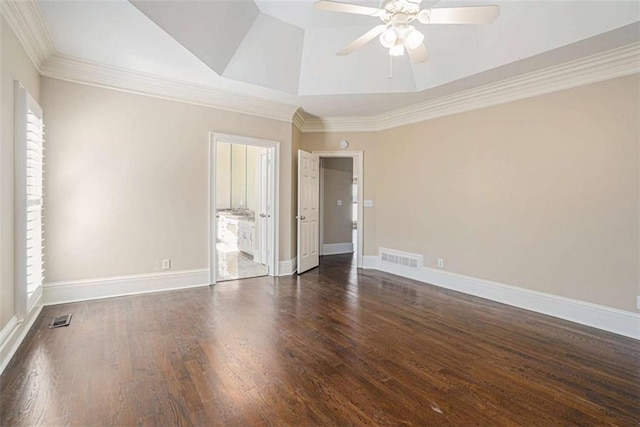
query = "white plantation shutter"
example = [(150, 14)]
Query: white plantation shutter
[(29, 154)]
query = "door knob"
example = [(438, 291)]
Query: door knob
[(301, 218), (263, 215)]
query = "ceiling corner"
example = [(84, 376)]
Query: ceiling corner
[(299, 118)]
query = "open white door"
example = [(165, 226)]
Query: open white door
[(264, 212), (308, 211)]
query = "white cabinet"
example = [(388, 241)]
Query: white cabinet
[(246, 233), (236, 232)]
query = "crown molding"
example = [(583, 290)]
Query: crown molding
[(298, 119), (619, 62), (341, 124), (65, 67), (27, 23)]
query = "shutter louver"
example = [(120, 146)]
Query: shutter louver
[(29, 174), (34, 177)]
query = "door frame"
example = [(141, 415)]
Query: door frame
[(274, 147), (358, 170)]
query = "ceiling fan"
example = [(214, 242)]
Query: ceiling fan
[(396, 33)]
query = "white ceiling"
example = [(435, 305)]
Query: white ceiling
[(285, 50), (301, 13)]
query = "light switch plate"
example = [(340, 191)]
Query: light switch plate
[(368, 203), (339, 202)]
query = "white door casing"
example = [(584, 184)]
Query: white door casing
[(273, 200), (358, 170), (308, 211)]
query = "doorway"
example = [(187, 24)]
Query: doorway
[(357, 198), (338, 206), (243, 207), (311, 239)]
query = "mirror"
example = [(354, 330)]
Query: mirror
[(236, 176)]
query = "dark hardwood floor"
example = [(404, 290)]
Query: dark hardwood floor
[(332, 347)]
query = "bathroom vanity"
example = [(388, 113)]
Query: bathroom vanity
[(246, 233), (236, 229)]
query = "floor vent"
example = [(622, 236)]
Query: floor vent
[(403, 259), (60, 321)]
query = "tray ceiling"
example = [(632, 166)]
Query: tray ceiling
[(285, 50)]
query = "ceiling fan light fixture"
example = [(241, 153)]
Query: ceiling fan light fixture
[(396, 50), (389, 38), (413, 38)]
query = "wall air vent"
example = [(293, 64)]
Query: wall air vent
[(399, 258)]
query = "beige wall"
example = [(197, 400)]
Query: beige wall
[(337, 181), (15, 66), (541, 193), (127, 180)]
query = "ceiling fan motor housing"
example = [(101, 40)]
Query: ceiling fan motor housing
[(401, 6), (399, 13)]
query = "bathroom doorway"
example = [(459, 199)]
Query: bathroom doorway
[(243, 208)]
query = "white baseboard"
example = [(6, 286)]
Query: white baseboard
[(370, 262), (598, 316), (82, 290), (12, 335), (289, 267), (337, 248)]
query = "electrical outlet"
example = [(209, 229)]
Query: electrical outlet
[(166, 264), (440, 262)]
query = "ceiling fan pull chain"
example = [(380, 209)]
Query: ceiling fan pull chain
[(390, 67)]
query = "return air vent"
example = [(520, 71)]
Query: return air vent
[(403, 259), (60, 321)]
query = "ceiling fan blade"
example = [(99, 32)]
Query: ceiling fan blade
[(362, 40), (419, 54), (334, 6), (464, 15)]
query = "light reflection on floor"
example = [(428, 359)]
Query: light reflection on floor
[(234, 264)]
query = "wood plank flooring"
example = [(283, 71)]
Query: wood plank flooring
[(335, 346)]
